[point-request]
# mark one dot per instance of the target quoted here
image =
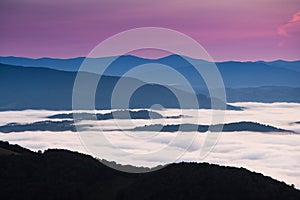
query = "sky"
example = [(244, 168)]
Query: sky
[(228, 29)]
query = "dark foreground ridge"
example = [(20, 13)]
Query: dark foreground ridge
[(62, 174)]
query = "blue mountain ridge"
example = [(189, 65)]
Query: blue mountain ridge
[(43, 88), (34, 79), (235, 74)]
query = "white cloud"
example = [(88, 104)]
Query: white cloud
[(275, 155)]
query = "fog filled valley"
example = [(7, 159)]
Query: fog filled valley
[(273, 153), (256, 126), (149, 100), (143, 122)]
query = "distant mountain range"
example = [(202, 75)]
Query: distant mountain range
[(265, 94), (47, 83), (235, 74), (62, 174), (44, 88)]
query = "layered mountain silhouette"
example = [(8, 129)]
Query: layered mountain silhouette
[(235, 74), (291, 65), (43, 88), (260, 81), (265, 94), (62, 174)]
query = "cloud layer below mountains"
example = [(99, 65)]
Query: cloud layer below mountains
[(273, 154)]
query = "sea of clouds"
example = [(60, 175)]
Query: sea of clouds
[(273, 154)]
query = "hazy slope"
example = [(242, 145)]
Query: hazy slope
[(43, 88)]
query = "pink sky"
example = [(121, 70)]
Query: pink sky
[(227, 29)]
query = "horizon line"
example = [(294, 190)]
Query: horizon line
[(146, 58)]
